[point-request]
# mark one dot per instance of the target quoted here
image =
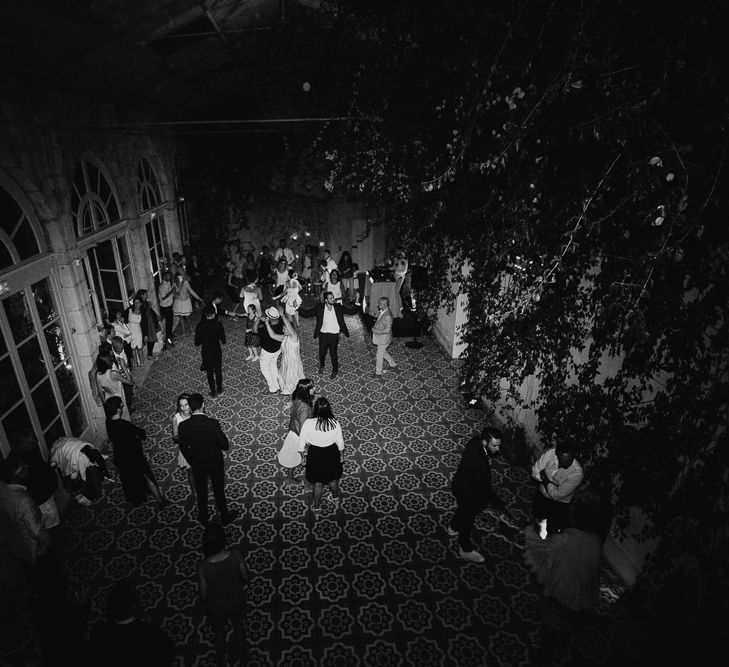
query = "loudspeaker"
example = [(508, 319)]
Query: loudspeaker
[(418, 278)]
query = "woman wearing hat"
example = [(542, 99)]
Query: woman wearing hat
[(271, 334)]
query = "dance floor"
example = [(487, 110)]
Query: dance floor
[(374, 580)]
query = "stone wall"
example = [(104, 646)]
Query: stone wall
[(43, 136)]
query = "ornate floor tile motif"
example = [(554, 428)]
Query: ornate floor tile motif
[(371, 580)]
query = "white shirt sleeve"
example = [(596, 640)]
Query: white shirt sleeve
[(541, 464), (304, 433)]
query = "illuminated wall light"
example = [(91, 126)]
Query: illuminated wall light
[(307, 234), (294, 237), (321, 244)]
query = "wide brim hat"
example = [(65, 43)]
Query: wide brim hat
[(272, 313)]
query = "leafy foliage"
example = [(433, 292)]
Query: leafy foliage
[(573, 157)]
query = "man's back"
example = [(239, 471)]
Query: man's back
[(210, 334), (202, 441)]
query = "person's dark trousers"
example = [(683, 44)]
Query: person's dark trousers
[(216, 475), (214, 370), (129, 395), (166, 313), (463, 520), (329, 342), (150, 347), (556, 513)]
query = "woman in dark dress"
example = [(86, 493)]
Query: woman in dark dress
[(136, 476), (221, 576)]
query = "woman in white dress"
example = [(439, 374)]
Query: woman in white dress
[(291, 369), (134, 321), (301, 407), (183, 413)]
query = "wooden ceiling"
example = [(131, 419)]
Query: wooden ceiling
[(175, 58)]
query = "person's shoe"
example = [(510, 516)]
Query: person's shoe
[(333, 375), (230, 516), (473, 556), (213, 394), (321, 370), (396, 367), (219, 392), (451, 532), (271, 393), (202, 367)]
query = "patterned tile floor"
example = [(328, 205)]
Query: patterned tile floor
[(376, 581)]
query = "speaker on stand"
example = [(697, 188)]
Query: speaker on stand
[(418, 282)]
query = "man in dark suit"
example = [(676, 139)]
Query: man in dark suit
[(209, 334), (202, 443), (471, 486), (329, 324)]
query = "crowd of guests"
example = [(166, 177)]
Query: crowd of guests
[(563, 547)]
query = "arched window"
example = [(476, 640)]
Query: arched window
[(17, 238), (93, 203), (148, 192)]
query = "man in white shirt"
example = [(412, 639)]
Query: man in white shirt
[(285, 253), (331, 264), (559, 474), (329, 324)]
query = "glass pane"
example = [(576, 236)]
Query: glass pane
[(9, 388), (150, 234), (54, 432), (76, 418), (3, 347), (16, 308), (123, 250), (56, 344), (100, 214), (17, 419), (45, 403), (112, 306), (112, 208), (111, 286), (32, 361), (25, 241), (6, 259), (105, 256), (87, 222), (66, 381), (44, 301), (129, 281)]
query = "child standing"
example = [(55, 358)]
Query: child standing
[(291, 299), (252, 341)]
